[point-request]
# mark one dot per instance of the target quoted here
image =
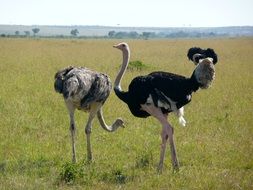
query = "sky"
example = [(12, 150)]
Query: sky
[(136, 13)]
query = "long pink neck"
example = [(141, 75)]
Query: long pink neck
[(126, 57)]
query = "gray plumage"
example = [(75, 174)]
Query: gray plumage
[(82, 86), (85, 90)]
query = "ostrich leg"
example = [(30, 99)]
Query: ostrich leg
[(73, 136), (167, 133), (72, 129)]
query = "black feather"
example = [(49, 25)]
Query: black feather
[(160, 85), (204, 52)]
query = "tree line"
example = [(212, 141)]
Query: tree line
[(175, 34), (27, 33), (123, 34)]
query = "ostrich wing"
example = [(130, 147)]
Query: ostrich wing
[(83, 86), (169, 89), (99, 90)]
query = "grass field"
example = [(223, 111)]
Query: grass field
[(215, 150)]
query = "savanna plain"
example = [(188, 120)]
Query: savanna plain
[(215, 149)]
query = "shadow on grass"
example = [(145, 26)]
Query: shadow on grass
[(84, 173), (87, 173)]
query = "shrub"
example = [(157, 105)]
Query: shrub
[(138, 65), (70, 172)]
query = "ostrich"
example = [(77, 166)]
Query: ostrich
[(85, 90), (160, 93)]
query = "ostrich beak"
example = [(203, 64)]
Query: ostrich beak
[(210, 59), (116, 46)]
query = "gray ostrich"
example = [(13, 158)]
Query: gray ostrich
[(85, 90)]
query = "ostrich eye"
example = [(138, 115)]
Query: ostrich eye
[(123, 45)]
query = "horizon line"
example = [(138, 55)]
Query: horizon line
[(119, 26)]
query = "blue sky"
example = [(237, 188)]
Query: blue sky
[(158, 13)]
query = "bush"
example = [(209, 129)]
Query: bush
[(71, 172), (138, 65)]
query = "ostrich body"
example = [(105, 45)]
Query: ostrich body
[(160, 93), (85, 90)]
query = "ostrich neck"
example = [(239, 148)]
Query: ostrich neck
[(194, 84), (126, 56), (101, 120)]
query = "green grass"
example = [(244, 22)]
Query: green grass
[(215, 149)]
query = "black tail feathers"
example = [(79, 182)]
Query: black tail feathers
[(204, 54), (60, 78)]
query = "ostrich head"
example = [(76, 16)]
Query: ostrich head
[(205, 72), (122, 46), (196, 53), (196, 57), (119, 123)]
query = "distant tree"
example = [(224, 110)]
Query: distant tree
[(27, 33), (133, 34), (35, 31), (74, 32), (111, 33), (121, 35), (17, 33), (212, 34), (146, 35)]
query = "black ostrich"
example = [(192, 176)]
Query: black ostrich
[(85, 90), (160, 93)]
